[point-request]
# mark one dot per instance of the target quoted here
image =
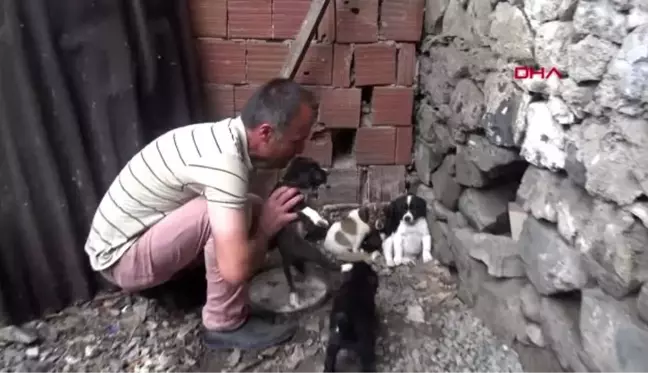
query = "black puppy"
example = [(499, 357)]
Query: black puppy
[(307, 175), (353, 319)]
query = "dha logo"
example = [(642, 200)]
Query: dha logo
[(528, 72)]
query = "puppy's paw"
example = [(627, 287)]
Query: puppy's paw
[(322, 223), (398, 261), (389, 262), (294, 300), (427, 257), (408, 261), (375, 255)]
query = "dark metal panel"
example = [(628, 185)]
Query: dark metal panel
[(79, 95)]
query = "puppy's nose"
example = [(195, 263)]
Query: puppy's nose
[(408, 219)]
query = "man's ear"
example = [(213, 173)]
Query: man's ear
[(265, 132)]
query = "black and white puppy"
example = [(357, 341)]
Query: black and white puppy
[(407, 231), (353, 321), (349, 233), (307, 175)]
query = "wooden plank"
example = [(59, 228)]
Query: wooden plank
[(306, 33)]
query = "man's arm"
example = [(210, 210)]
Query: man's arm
[(237, 256)]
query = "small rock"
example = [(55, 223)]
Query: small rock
[(415, 313), (530, 303), (561, 113), (295, 358), (534, 332), (233, 358), (32, 352), (14, 334), (538, 193)]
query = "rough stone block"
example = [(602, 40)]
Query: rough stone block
[(427, 159), (384, 183), (487, 209), (551, 265), (402, 20), (642, 303), (613, 340), (375, 64), (505, 114), (406, 66), (446, 189), (208, 18), (498, 303), (559, 320), (467, 108), (264, 60), (317, 66), (222, 61), (340, 107), (440, 242), (249, 19), (357, 21), (517, 216), (500, 254), (479, 163), (539, 193), (392, 106), (375, 146), (530, 303), (220, 98), (544, 141), (472, 273), (342, 59)]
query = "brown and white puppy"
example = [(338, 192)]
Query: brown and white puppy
[(349, 233)]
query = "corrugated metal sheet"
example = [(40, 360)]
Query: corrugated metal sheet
[(83, 85)]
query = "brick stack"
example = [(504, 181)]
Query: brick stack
[(361, 65)]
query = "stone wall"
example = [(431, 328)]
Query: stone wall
[(538, 188)]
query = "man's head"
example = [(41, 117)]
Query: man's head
[(278, 119)]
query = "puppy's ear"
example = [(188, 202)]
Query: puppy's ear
[(363, 213)]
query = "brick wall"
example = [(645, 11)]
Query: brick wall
[(361, 65)]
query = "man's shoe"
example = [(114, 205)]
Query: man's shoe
[(256, 333)]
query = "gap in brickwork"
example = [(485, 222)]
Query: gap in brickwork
[(343, 147), (366, 117)]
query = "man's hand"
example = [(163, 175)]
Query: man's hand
[(275, 213)]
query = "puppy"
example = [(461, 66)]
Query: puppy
[(305, 174), (353, 321), (407, 231), (349, 234)]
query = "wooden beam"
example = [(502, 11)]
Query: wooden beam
[(306, 33)]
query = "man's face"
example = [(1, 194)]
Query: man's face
[(277, 151)]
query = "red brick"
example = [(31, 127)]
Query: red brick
[(249, 19), (392, 106), (208, 18), (356, 21), (375, 64), (402, 20), (220, 101), (326, 29), (340, 107), (222, 61), (320, 148), (375, 145), (403, 151), (342, 58), (406, 64), (317, 66), (264, 60), (287, 17), (241, 94)]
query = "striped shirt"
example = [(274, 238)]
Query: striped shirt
[(209, 159)]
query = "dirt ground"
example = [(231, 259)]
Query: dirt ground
[(424, 328)]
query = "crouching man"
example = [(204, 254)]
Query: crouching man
[(184, 197)]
